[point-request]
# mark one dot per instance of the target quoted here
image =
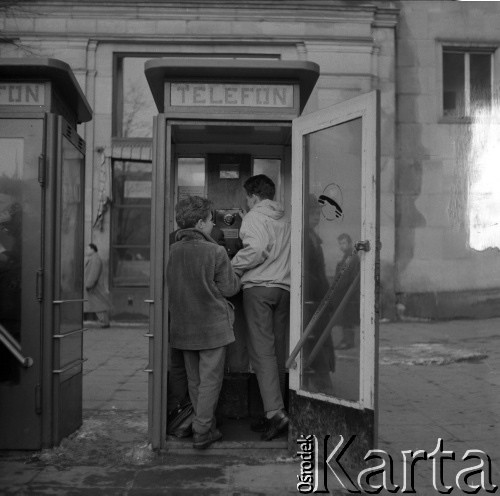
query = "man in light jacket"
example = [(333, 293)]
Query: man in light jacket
[(264, 266)]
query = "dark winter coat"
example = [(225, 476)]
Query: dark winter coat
[(199, 278)]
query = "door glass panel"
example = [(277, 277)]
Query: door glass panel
[(330, 276), (11, 234), (71, 223), (131, 223)]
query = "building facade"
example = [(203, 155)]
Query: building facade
[(435, 64)]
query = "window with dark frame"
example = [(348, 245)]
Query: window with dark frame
[(467, 81), (131, 223), (134, 106)]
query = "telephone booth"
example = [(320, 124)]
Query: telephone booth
[(219, 123), (42, 164)]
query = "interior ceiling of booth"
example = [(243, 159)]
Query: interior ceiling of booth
[(243, 134)]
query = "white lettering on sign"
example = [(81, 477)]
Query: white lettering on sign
[(22, 94), (231, 95)]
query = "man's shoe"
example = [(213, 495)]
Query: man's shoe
[(276, 426), (203, 441), (260, 425)]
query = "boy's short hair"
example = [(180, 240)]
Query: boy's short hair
[(190, 210), (260, 185)]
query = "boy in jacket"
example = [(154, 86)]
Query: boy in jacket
[(200, 277), (264, 266)]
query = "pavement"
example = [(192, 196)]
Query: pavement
[(437, 380)]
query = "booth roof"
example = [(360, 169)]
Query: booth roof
[(161, 70), (56, 71)]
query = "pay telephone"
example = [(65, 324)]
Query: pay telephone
[(228, 220)]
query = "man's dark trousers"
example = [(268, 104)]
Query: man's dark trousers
[(267, 312)]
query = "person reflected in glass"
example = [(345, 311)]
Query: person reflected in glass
[(349, 319), (319, 374)]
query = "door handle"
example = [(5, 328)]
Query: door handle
[(362, 246)]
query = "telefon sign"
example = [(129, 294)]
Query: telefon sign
[(231, 95), (22, 93)]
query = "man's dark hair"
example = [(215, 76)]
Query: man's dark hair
[(190, 210), (260, 185), (93, 246), (346, 237)]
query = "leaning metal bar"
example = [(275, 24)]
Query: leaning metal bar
[(58, 302), (319, 312), (70, 333), (326, 330), (73, 364), (14, 347)]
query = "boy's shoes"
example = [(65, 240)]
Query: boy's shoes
[(202, 441), (276, 426), (260, 425)]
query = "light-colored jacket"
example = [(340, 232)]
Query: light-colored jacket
[(264, 259)]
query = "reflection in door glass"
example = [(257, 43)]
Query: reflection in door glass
[(330, 277), (11, 210), (71, 223), (72, 244), (191, 177)]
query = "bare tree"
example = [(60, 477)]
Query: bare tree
[(135, 123), (16, 9)]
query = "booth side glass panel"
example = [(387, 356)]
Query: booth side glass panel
[(21, 143)]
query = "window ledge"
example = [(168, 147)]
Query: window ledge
[(139, 149)]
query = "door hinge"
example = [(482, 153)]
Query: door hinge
[(38, 399), (39, 284), (41, 169)]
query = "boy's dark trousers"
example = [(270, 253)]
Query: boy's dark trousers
[(205, 373)]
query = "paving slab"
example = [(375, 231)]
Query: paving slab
[(437, 380)]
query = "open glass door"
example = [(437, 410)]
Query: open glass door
[(67, 326), (333, 337)]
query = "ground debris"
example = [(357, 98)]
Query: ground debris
[(108, 438), (427, 354)]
